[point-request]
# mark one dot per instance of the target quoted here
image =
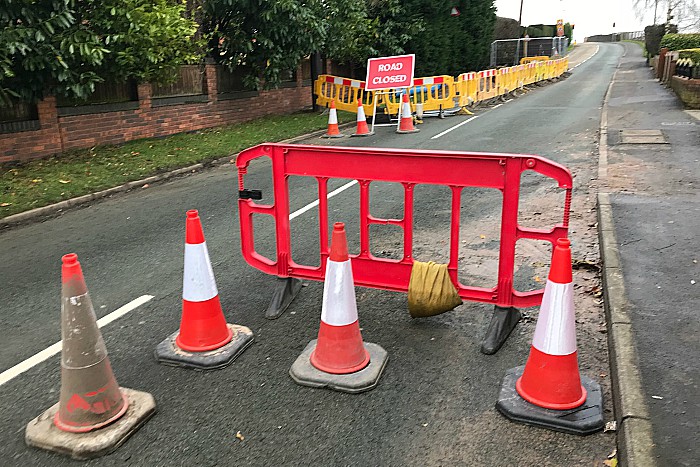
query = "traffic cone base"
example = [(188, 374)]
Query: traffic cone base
[(205, 341), (44, 434), (306, 374), (169, 353), (582, 420)]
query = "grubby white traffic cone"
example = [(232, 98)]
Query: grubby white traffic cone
[(362, 128), (205, 340), (548, 391), (406, 122), (339, 359), (94, 416), (333, 131)]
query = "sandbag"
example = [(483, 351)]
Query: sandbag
[(430, 290)]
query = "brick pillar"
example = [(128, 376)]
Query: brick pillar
[(210, 75), (48, 121), (145, 91), (660, 64)]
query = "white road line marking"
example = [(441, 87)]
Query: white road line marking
[(49, 352), (508, 101), (597, 48), (454, 127), (496, 106), (315, 203)]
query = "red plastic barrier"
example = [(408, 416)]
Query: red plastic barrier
[(455, 170)]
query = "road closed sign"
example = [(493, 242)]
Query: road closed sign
[(390, 72)]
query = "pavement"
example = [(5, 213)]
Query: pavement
[(648, 217)]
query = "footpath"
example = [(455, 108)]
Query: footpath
[(649, 210)]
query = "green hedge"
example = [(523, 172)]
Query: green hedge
[(680, 41), (693, 54), (652, 38)]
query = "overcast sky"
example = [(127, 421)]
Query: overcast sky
[(590, 16)]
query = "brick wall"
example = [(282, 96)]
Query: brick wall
[(688, 90), (85, 127)]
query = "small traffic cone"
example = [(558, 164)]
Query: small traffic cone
[(205, 341), (549, 391), (406, 123), (339, 359), (93, 416), (333, 131), (362, 128)]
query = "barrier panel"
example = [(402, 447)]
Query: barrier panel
[(486, 85), (466, 86), (539, 58), (455, 170), (345, 92)]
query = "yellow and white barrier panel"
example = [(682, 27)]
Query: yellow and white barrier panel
[(467, 86), (436, 93), (486, 85), (345, 92)]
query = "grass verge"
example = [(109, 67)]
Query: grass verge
[(42, 182)]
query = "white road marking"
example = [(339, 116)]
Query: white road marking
[(49, 352), (315, 203), (454, 127), (496, 106), (597, 48)]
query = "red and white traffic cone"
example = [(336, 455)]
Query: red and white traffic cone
[(549, 391), (205, 340), (94, 415), (406, 122), (333, 131), (362, 128), (339, 359)]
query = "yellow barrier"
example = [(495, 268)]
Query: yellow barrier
[(539, 58), (438, 93), (345, 92), (467, 85)]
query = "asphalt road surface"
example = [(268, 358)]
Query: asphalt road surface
[(434, 404)]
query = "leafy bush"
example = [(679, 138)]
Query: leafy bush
[(652, 38), (680, 41), (693, 54)]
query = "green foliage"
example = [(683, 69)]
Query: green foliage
[(265, 37), (450, 45), (680, 41), (66, 46), (652, 38), (692, 54)]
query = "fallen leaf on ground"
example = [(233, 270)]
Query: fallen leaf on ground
[(5, 204), (64, 181), (537, 279), (239, 435), (657, 397), (610, 426)]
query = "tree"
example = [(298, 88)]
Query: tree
[(66, 46), (685, 14)]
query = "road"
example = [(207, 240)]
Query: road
[(435, 402)]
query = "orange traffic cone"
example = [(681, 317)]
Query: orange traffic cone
[(362, 128), (87, 422), (333, 131), (549, 391), (339, 359), (406, 122), (204, 341)]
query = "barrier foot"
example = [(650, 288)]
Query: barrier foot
[(287, 288), (502, 324), (582, 420)]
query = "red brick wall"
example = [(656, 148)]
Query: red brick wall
[(60, 133), (688, 90)]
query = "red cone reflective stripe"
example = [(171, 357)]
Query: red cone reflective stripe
[(339, 306), (555, 333), (198, 283)]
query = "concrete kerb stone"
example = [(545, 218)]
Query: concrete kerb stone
[(634, 430), (32, 214)]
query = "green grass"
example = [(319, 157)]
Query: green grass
[(641, 44), (40, 183)]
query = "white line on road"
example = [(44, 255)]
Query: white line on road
[(49, 352), (454, 127), (597, 48), (496, 106), (315, 203)]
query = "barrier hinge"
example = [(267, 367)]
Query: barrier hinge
[(250, 194)]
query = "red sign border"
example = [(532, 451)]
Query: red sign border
[(368, 85)]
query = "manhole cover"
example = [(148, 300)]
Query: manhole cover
[(642, 137)]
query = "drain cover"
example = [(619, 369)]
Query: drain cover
[(642, 137)]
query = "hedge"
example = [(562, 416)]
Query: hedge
[(680, 41), (693, 54)]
